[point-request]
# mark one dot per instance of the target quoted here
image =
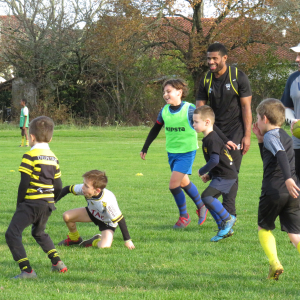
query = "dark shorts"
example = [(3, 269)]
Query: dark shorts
[(282, 205), (102, 226), (221, 184)]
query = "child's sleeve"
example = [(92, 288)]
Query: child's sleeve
[(220, 134), (273, 144), (23, 186), (74, 189), (153, 132), (124, 230), (214, 148), (57, 185)]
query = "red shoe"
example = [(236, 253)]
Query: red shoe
[(59, 267), (202, 213), (182, 222), (69, 242)]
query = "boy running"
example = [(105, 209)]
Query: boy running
[(219, 168), (280, 186)]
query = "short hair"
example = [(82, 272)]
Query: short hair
[(98, 178), (24, 100), (205, 112), (178, 84), (217, 47), (42, 128), (273, 109)]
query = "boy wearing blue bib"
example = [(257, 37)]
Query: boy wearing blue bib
[(181, 145)]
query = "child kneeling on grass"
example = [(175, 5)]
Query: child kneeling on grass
[(102, 209), (219, 168), (280, 185)]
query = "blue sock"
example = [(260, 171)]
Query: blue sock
[(216, 209), (217, 218), (193, 193), (179, 197)]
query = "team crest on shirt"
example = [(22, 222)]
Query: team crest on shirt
[(207, 80), (205, 149), (227, 85)]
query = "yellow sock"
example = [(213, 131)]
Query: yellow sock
[(27, 143), (22, 143), (74, 236), (268, 243), (298, 247), (95, 242)]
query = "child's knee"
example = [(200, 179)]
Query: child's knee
[(9, 235), (66, 217)]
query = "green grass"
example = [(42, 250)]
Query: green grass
[(166, 264)]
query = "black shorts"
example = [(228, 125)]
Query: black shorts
[(282, 205), (102, 226)]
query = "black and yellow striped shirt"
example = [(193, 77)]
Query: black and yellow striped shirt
[(42, 166)]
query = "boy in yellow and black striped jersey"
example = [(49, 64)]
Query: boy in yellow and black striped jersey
[(102, 209), (39, 187)]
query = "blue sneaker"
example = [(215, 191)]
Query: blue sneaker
[(218, 238), (202, 213), (227, 225)]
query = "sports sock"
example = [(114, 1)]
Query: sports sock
[(74, 236), (217, 219), (268, 243), (193, 193), (95, 242), (23, 138), (213, 204), (24, 265), (298, 247), (53, 256), (27, 142), (179, 197)]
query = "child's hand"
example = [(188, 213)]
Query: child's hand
[(231, 145), (129, 245), (292, 187), (205, 178), (143, 155), (257, 132), (292, 125)]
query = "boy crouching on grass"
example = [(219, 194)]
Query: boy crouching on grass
[(40, 185), (102, 209), (279, 196), (219, 168)]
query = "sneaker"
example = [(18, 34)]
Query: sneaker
[(182, 222), (25, 275), (226, 226), (218, 238), (89, 243), (20, 146), (60, 267), (275, 271), (69, 242), (202, 213)]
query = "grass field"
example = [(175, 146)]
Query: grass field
[(166, 264)]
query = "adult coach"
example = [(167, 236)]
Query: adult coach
[(291, 99), (227, 90)]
